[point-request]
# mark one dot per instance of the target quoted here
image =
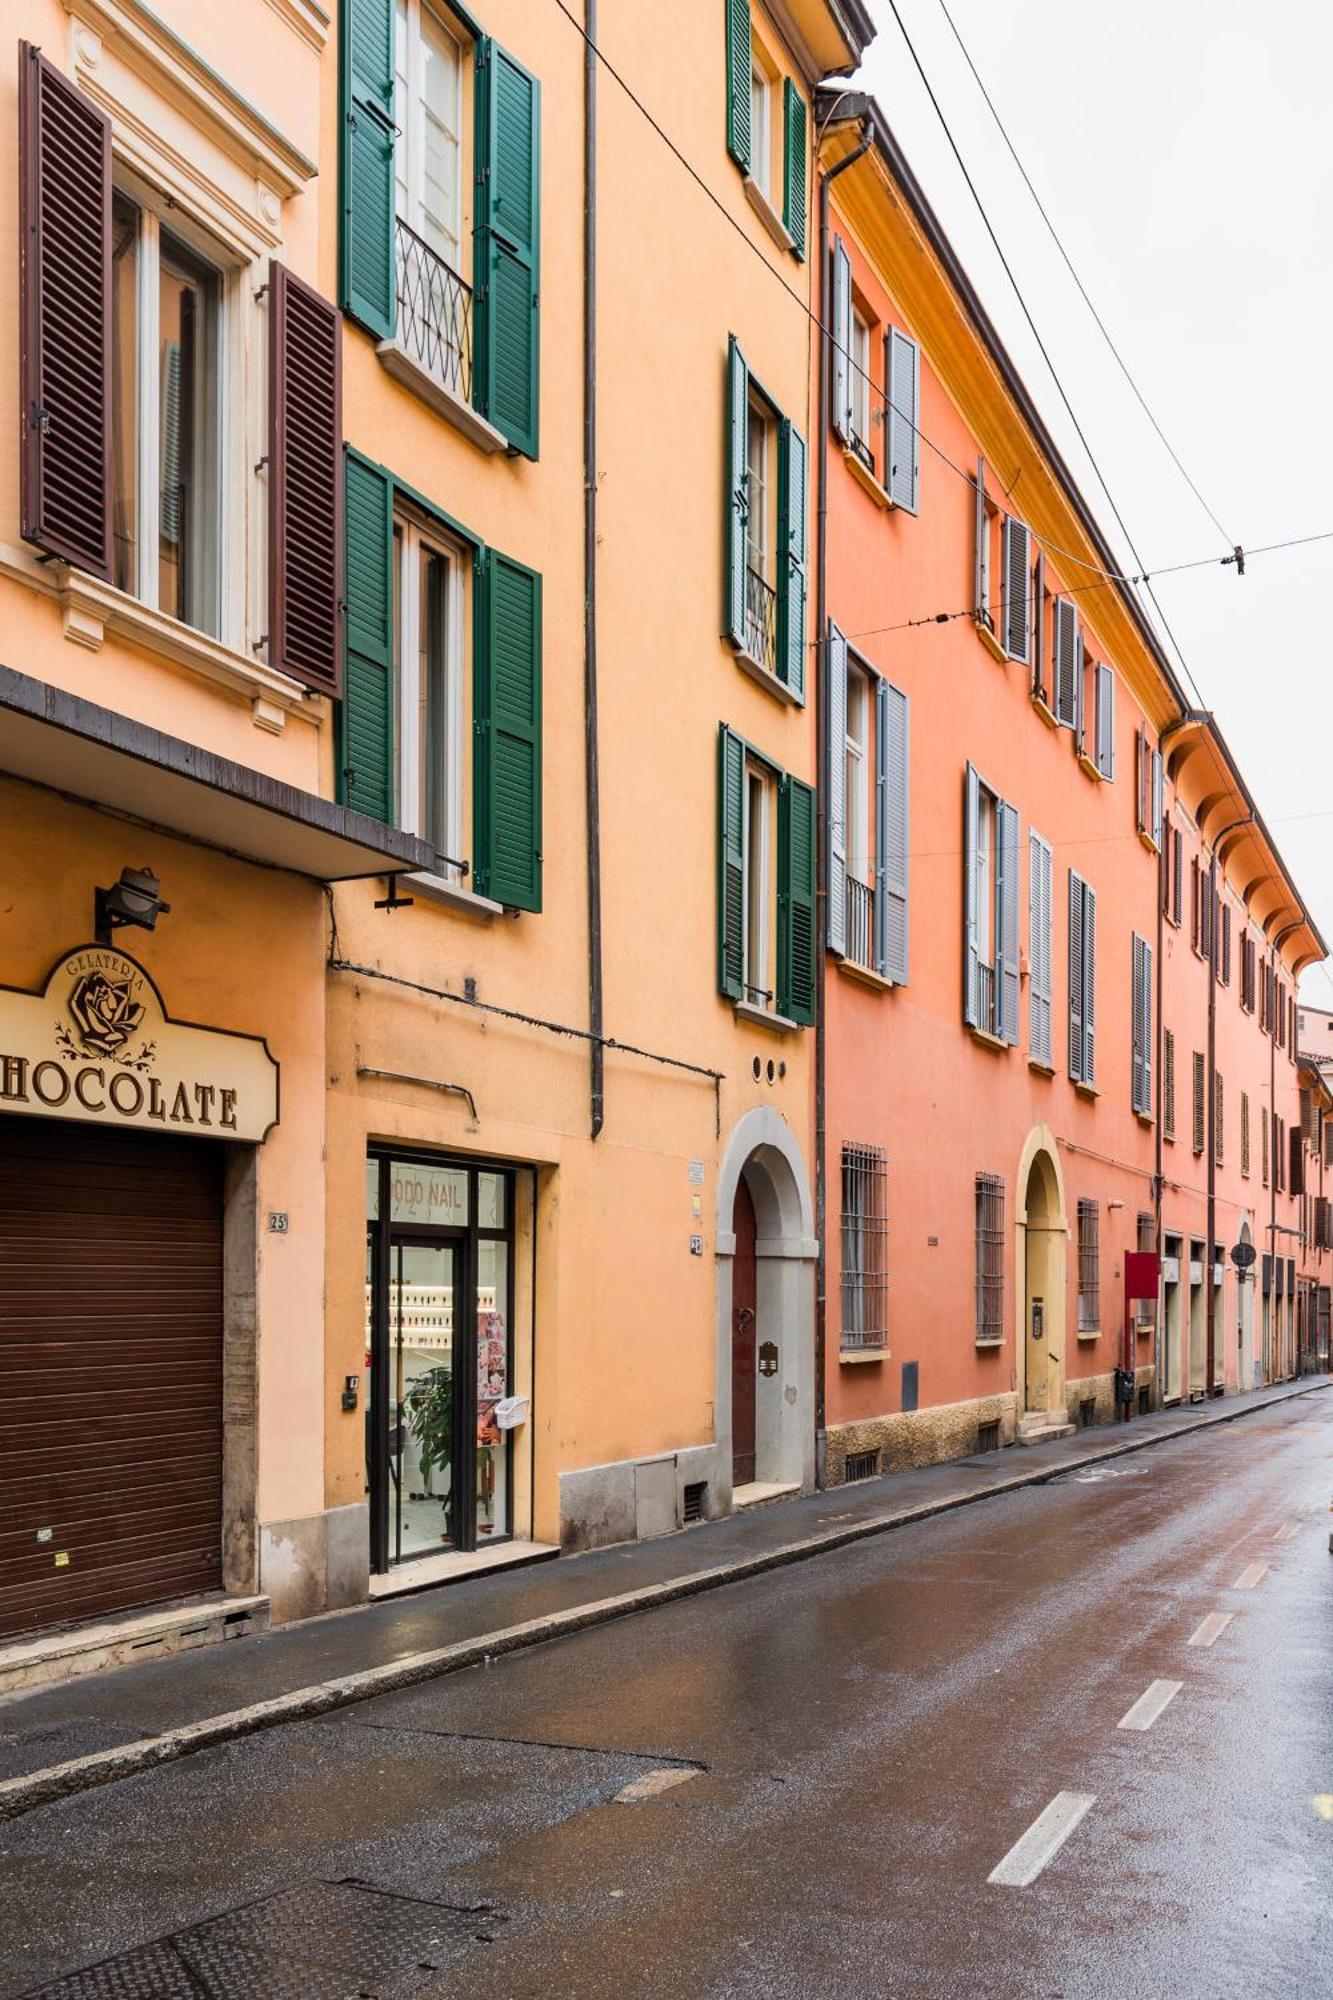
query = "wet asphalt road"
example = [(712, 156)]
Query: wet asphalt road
[(868, 1736)]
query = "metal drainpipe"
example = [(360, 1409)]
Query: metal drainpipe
[(597, 1058), (1163, 891), (821, 790), (1274, 949), (1211, 1387)]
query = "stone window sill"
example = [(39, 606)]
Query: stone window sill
[(91, 608), (988, 1343), (861, 1357), (988, 1040), (768, 215), (863, 976), (760, 1017), (1148, 841), (990, 642), (452, 896), (767, 679), (1089, 768), (1045, 711), (405, 368), (1041, 1068), (1088, 1333), (1088, 1090), (863, 476)]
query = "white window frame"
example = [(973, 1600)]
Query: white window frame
[(987, 879), (229, 391), (859, 371), (412, 539), (409, 69), (757, 866), (761, 127), (759, 420)]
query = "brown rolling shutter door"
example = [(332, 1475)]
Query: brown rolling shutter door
[(111, 1360), (305, 484), (65, 311)]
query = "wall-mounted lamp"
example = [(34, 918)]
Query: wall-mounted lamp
[(132, 900)]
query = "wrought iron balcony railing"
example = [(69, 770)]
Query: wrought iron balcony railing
[(434, 312), (761, 619)]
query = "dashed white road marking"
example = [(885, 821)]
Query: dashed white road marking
[(1212, 1628), (1251, 1574), (1150, 1705), (1287, 1534), (1042, 1841), (650, 1784)]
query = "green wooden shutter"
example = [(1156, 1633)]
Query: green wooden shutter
[(791, 557), (738, 82), (507, 247), (796, 901), (366, 287), (737, 504), (730, 864), (507, 726), (793, 191), (365, 715)]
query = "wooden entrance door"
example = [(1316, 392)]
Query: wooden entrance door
[(111, 1361), (744, 1299)]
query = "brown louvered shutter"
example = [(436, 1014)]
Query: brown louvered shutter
[(65, 292), (305, 484), (1296, 1178)]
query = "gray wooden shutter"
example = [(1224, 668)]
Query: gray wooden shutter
[(65, 317), (981, 553), (1040, 922), (1077, 1055), (305, 478), (841, 401), (1016, 545), (892, 803), (1157, 799), (792, 543), (904, 379), (730, 864), (737, 494), (739, 137), (1066, 663), (836, 792), (1080, 695), (1141, 1028), (1039, 630), (1105, 683), (1141, 807), (1006, 957), (971, 833)]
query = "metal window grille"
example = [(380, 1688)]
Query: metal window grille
[(1089, 1266), (761, 619), (1198, 1102), (1245, 1133), (1217, 1117), (990, 1257), (865, 1230), (860, 927), (693, 1499), (434, 312), (860, 1465), (1168, 1084), (1087, 1413)]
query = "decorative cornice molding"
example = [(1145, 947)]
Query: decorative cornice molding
[(309, 20)]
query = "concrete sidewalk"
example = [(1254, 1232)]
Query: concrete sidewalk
[(89, 1732)]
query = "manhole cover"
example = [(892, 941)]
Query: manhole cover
[(319, 1941)]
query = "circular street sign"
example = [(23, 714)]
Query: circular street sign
[(1243, 1255)]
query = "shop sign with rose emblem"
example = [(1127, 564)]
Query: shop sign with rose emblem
[(96, 1044)]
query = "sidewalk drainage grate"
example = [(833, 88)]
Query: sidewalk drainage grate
[(319, 1941)]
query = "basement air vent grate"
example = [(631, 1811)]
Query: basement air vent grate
[(694, 1500), (1145, 1401), (1087, 1413), (988, 1435), (861, 1465)]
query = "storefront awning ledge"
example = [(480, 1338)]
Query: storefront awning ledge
[(75, 747)]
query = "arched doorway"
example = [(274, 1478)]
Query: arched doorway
[(765, 1374), (1040, 1250)]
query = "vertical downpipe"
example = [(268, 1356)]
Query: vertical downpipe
[(821, 790), (1163, 891), (596, 1055), (1210, 1296)]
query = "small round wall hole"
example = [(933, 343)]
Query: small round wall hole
[(772, 1069), (758, 1069)]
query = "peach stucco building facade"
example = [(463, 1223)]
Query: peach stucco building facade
[(1006, 745)]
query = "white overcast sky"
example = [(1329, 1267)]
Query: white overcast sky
[(1182, 151)]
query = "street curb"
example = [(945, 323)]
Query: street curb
[(104, 1767)]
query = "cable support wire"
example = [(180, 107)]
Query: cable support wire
[(1144, 574), (1082, 288)]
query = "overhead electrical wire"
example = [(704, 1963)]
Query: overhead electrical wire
[(1131, 579), (1082, 288)]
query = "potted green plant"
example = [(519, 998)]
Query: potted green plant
[(430, 1414)]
